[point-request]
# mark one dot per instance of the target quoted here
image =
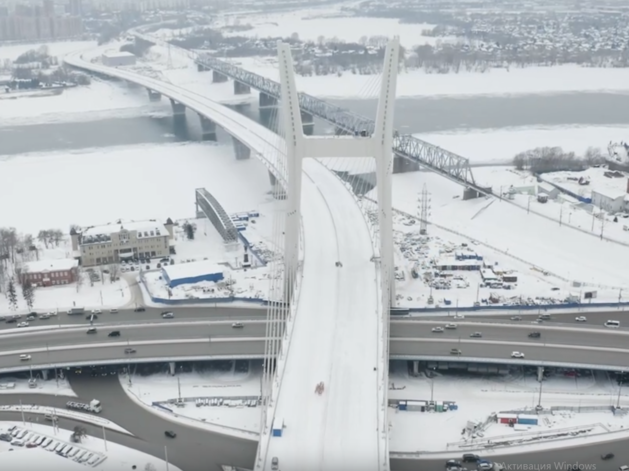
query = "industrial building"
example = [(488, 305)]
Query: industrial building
[(50, 272), (122, 240), (612, 201), (193, 272), (118, 59)]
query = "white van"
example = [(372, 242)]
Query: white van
[(612, 324)]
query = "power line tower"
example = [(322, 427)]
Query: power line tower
[(424, 210)]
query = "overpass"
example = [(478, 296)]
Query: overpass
[(407, 148), (572, 346)]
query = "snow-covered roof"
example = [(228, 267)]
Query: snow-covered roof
[(33, 458), (114, 54), (115, 227), (192, 269), (608, 186), (40, 266)]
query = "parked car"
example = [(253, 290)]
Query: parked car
[(437, 330), (517, 355), (581, 319), (476, 335), (170, 434)]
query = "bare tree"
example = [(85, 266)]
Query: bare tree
[(114, 272), (28, 291), (56, 235), (12, 295), (78, 434), (79, 279)]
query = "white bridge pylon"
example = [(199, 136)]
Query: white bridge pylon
[(378, 146)]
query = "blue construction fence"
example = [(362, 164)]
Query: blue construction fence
[(175, 302), (255, 252), (533, 307)]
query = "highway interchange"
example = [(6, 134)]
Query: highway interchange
[(208, 332)]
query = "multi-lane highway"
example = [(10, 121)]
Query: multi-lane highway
[(149, 315), (412, 338)]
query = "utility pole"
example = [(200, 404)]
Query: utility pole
[(622, 380), (539, 401), (104, 437), (22, 412), (166, 456), (179, 388)]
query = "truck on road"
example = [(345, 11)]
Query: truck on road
[(93, 406), (75, 311)]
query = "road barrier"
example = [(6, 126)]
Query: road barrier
[(534, 307)]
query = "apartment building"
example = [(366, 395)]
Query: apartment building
[(119, 241)]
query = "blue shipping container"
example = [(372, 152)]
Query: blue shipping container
[(401, 405), (527, 421)]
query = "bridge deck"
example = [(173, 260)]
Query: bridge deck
[(334, 341)]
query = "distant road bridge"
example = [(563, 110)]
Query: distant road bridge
[(410, 151)]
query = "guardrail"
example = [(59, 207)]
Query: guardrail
[(528, 307)]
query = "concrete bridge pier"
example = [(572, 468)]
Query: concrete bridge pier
[(179, 109), (241, 150), (307, 121), (208, 129), (403, 165), (202, 68), (217, 77), (241, 88), (132, 84), (267, 101), (154, 96), (471, 193), (272, 179), (415, 367), (44, 375), (171, 368), (340, 131)]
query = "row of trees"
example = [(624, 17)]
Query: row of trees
[(28, 293), (555, 159)]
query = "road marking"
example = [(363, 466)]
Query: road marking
[(132, 344), (520, 344)]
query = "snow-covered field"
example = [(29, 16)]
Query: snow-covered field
[(106, 456), (164, 387), (101, 295), (170, 174), (499, 146), (328, 23), (55, 49), (100, 100), (59, 387)]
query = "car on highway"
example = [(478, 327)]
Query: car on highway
[(624, 467), (96, 311), (237, 325), (517, 355), (23, 324), (114, 333), (455, 351), (113, 311), (130, 350), (31, 317), (25, 357), (612, 324), (44, 316), (10, 320), (168, 315), (535, 335), (92, 330), (516, 318), (139, 309), (91, 317), (170, 434), (607, 456), (451, 326), (470, 458), (581, 319), (476, 335), (437, 330), (453, 464)]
